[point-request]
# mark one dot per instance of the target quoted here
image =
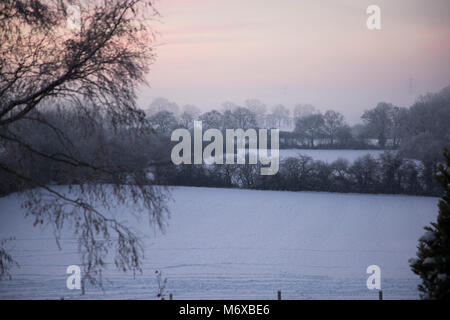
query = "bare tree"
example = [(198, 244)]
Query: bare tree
[(162, 104), (378, 122), (228, 106), (163, 122), (280, 113), (89, 69), (244, 118), (190, 113), (258, 108), (212, 120), (333, 121), (192, 110), (310, 127), (301, 111)]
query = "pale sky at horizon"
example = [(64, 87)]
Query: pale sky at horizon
[(316, 52)]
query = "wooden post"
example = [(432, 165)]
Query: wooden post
[(380, 295), (279, 295), (170, 297)]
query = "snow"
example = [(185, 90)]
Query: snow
[(442, 277), (428, 260), (241, 244), (428, 236)]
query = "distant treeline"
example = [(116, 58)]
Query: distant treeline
[(419, 134), (387, 174), (423, 126)]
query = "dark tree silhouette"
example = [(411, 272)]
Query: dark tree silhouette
[(89, 68), (310, 127), (379, 122), (433, 256)]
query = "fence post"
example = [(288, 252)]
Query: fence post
[(380, 295), (279, 295)]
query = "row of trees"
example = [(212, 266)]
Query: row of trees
[(330, 126), (276, 116), (388, 174), (146, 158), (88, 151), (419, 129), (310, 124)]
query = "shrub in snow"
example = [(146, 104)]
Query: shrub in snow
[(433, 256)]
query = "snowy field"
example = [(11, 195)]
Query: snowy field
[(242, 244)]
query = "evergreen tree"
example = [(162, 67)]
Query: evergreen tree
[(433, 256)]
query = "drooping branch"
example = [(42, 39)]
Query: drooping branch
[(91, 74)]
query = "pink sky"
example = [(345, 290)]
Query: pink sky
[(294, 51)]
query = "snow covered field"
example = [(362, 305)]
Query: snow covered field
[(242, 244)]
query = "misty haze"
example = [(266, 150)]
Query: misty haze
[(205, 150)]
